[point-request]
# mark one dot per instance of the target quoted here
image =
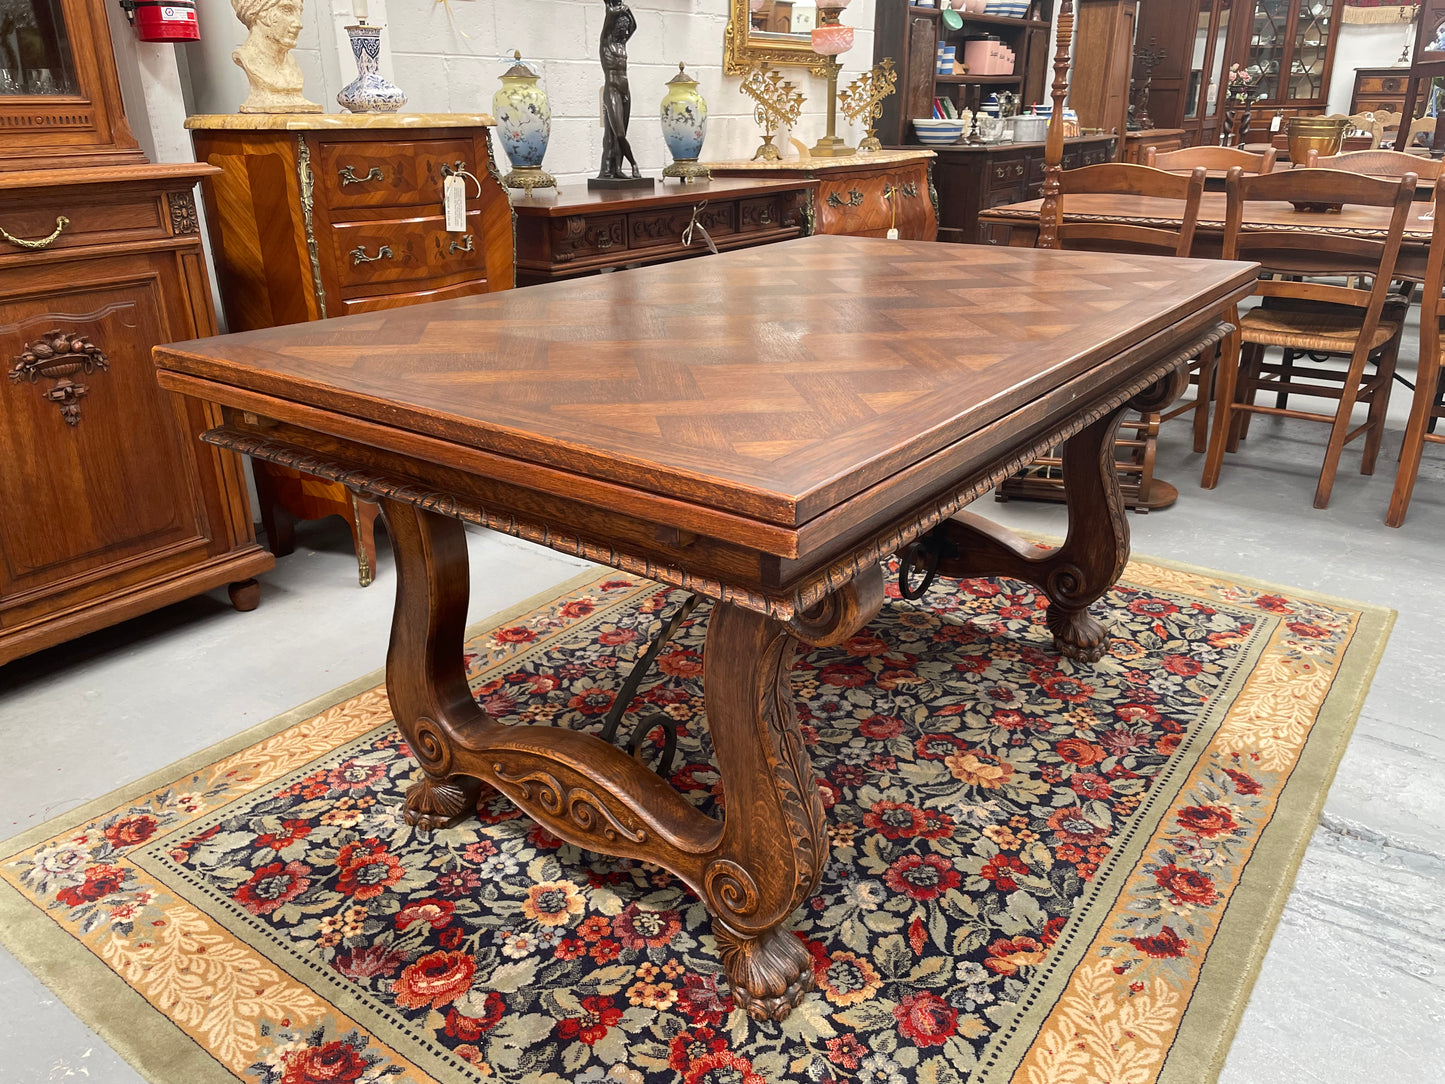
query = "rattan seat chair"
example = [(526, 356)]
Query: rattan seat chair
[(1303, 316)]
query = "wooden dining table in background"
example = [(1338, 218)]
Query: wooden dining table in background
[(1017, 224), (762, 428)]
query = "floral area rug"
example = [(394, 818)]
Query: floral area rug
[(1039, 871)]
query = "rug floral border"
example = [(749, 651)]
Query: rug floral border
[(1100, 1014)]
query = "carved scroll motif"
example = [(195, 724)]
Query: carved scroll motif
[(59, 356), (578, 804)]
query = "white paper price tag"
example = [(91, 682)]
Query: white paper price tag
[(1275, 122), (893, 234), (454, 199)]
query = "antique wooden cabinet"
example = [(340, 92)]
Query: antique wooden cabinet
[(1379, 90), (971, 179), (861, 195), (582, 232), (316, 215), (909, 34), (112, 505)]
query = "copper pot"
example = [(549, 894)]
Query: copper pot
[(1323, 134)]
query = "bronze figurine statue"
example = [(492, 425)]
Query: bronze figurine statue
[(618, 25)]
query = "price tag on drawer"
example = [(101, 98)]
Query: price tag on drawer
[(454, 199)]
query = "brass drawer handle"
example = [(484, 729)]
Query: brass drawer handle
[(34, 246), (359, 256), (465, 245), (348, 176)]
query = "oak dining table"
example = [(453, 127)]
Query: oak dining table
[(1021, 221), (762, 428)]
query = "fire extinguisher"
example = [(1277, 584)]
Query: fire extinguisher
[(163, 20)]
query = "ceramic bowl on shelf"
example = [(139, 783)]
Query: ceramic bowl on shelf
[(1013, 9), (938, 133)]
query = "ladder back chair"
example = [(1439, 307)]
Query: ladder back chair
[(1305, 316), (1135, 455), (1427, 404), (1212, 158)]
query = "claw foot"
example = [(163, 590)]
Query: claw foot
[(432, 804), (768, 974), (1078, 635)]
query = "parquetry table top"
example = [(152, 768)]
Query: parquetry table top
[(774, 382)]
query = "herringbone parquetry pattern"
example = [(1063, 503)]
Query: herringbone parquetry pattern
[(778, 368)]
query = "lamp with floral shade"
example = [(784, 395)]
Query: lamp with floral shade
[(830, 40)]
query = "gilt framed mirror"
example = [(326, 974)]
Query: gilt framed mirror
[(775, 33)]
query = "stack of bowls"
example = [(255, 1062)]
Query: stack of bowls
[(938, 133), (1014, 9)]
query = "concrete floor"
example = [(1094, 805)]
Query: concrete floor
[(1353, 986)]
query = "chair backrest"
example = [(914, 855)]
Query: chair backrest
[(1283, 249), (1365, 122), (1432, 307), (1128, 179), (1393, 164), (1388, 123), (1418, 126), (1212, 158)]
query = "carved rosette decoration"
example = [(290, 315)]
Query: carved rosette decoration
[(59, 356), (182, 206)]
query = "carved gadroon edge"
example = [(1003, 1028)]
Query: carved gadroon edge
[(58, 356), (784, 607), (182, 207)]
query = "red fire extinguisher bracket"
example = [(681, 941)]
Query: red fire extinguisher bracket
[(163, 20)]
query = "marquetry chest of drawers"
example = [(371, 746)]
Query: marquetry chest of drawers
[(331, 214), (860, 195)]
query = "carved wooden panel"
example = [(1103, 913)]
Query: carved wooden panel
[(577, 235), (103, 468), (667, 227)]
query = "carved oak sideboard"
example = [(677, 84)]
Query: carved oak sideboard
[(861, 195), (314, 215), (111, 505)]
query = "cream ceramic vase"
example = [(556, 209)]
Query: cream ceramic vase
[(524, 125), (684, 125)]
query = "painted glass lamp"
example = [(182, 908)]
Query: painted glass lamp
[(684, 126), (524, 125), (831, 39)]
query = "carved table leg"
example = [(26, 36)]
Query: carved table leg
[(775, 833), (751, 870), (1094, 553), (426, 679)]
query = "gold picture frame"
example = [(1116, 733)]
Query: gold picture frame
[(745, 48)]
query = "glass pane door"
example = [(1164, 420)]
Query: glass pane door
[(1216, 90), (1267, 41), (1311, 43), (35, 55)]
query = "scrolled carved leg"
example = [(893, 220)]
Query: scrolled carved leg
[(774, 836), (425, 671), (1094, 554)]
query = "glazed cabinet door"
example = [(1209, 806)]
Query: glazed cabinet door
[(100, 482)]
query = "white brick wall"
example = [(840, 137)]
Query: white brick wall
[(447, 57)]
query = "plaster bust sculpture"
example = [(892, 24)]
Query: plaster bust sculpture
[(266, 58)]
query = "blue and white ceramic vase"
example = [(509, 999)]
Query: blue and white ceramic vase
[(684, 126), (369, 92), (524, 125)]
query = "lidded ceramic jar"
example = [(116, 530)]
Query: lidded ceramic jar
[(684, 125), (524, 125)]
